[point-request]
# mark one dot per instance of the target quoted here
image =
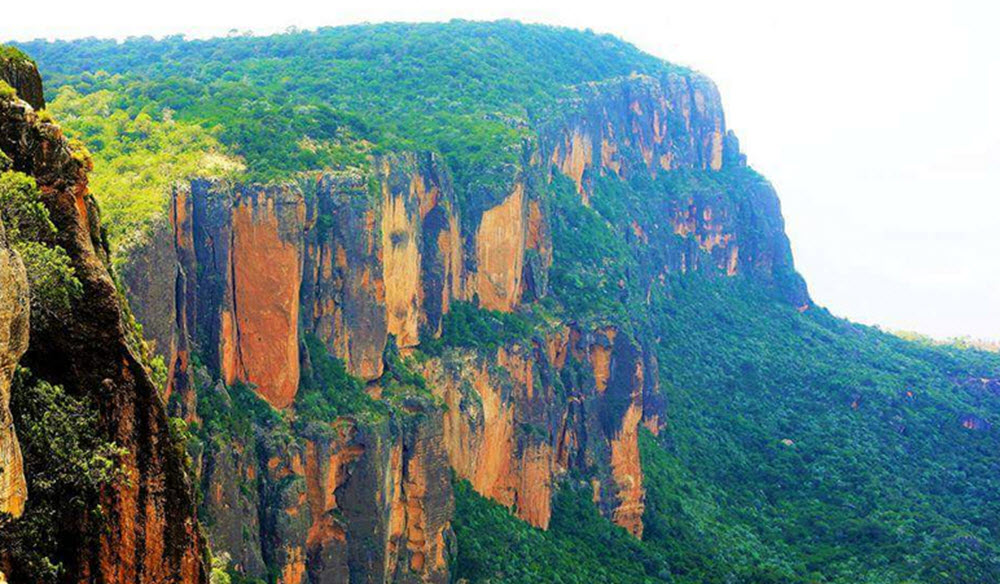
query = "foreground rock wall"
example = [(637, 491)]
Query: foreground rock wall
[(14, 311), (149, 531)]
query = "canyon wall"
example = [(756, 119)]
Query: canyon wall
[(368, 262)]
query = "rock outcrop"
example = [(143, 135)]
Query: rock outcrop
[(636, 125), (20, 72), (14, 310), (149, 531), (519, 420)]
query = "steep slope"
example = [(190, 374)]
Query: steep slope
[(562, 286), (146, 529)]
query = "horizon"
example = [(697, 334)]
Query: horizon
[(919, 156)]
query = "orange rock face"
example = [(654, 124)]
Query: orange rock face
[(481, 435), (500, 245), (627, 496), (511, 436), (259, 341), (626, 469), (639, 124), (401, 262), (325, 473), (574, 156)]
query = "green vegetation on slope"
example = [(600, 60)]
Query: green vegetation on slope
[(579, 547), (466, 325), (840, 450), (328, 390), (66, 466), (51, 279), (800, 449), (306, 101), (9, 53), (137, 158)]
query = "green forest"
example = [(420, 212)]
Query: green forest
[(800, 448)]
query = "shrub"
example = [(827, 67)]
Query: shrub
[(6, 91), (67, 462), (51, 277), (9, 53), (467, 325)]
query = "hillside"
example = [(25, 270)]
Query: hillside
[(505, 303)]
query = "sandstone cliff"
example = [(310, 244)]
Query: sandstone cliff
[(370, 261)]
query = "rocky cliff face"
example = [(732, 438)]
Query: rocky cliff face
[(344, 501), (648, 133), (14, 309), (519, 420), (370, 261), (149, 531), (18, 71), (639, 124)]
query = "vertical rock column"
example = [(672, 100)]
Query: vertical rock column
[(14, 308)]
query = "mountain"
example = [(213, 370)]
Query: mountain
[(497, 302)]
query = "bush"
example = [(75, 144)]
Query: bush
[(67, 463), (467, 325), (51, 277), (9, 53), (6, 91), (579, 547), (328, 390)]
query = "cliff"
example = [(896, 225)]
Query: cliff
[(147, 530), (370, 261), (682, 183)]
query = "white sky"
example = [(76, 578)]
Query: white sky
[(877, 120)]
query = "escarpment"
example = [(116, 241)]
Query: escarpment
[(467, 301), (147, 528), (636, 125), (651, 137), (257, 292)]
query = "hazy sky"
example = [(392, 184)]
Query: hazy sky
[(877, 121)]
